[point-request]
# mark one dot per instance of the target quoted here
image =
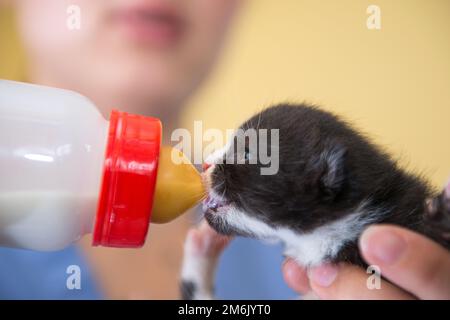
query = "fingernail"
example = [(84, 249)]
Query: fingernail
[(324, 275), (382, 244)]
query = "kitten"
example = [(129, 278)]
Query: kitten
[(332, 182)]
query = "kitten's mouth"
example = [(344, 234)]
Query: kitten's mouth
[(214, 205), (215, 209)]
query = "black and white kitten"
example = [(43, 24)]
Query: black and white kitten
[(332, 182)]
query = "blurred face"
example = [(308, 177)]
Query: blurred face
[(144, 55)]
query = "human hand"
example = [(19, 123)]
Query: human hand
[(416, 266)]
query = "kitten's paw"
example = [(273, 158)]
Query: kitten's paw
[(202, 249), (437, 212), (208, 242)]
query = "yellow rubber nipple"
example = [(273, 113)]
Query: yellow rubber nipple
[(178, 187)]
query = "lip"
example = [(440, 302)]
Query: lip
[(214, 205), (149, 22)]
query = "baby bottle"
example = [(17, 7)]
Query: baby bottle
[(65, 171)]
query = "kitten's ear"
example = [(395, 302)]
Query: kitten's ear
[(331, 165)]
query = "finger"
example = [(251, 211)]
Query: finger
[(409, 260), (295, 276), (349, 282)]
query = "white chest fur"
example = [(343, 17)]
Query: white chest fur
[(310, 248), (324, 242)]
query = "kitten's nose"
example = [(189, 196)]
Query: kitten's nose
[(206, 166)]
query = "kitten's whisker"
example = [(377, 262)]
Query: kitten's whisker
[(259, 121)]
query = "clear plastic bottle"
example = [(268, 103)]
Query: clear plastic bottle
[(66, 171)]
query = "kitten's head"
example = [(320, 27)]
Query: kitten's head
[(324, 170)]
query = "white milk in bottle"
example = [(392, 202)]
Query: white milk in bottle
[(65, 171), (52, 144)]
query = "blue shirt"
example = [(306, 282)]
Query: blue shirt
[(248, 270), (26, 274)]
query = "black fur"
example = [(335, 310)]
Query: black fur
[(326, 169), (187, 289)]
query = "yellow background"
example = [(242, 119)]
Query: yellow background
[(392, 83)]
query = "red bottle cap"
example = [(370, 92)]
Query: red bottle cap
[(129, 180)]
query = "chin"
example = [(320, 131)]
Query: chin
[(219, 225), (218, 222)]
